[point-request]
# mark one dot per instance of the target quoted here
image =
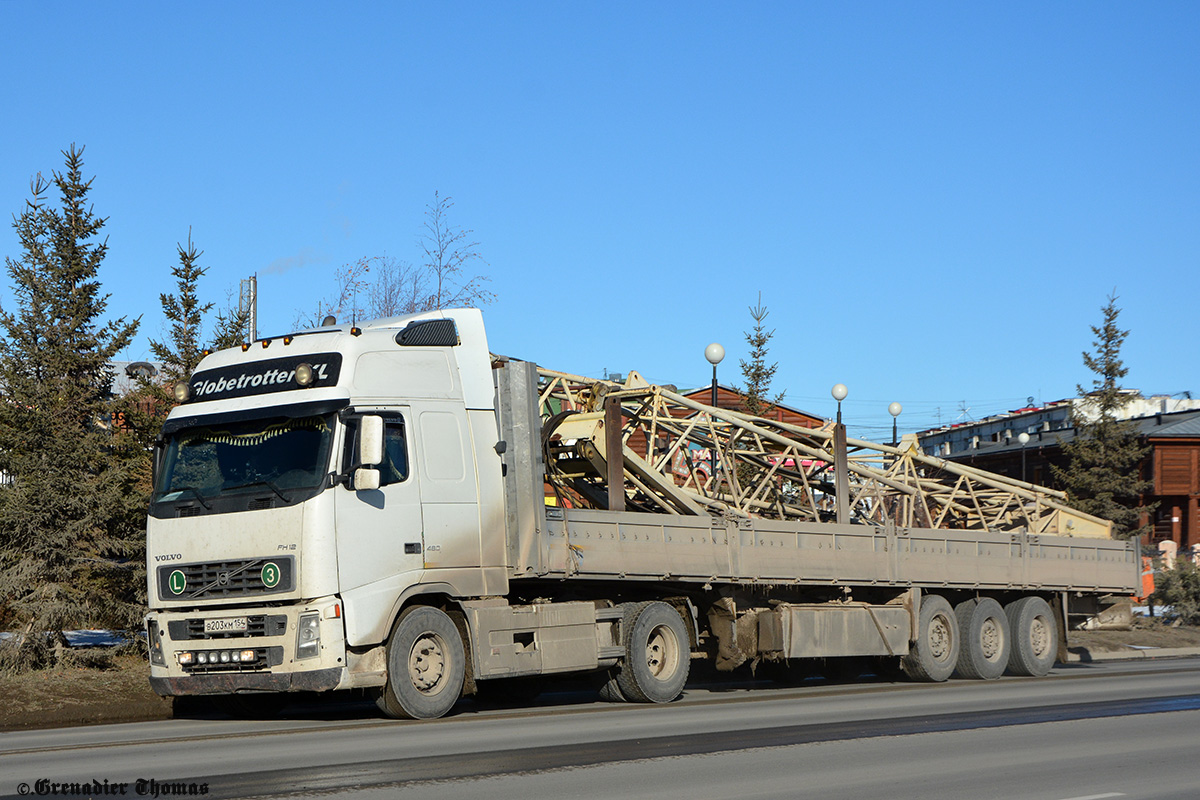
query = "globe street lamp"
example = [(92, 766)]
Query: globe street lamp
[(1023, 438), (839, 392), (894, 409), (714, 353)]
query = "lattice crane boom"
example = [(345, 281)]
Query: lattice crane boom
[(768, 468)]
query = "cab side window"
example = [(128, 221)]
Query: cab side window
[(395, 453), (394, 468)]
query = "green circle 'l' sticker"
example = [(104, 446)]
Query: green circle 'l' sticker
[(270, 575), (177, 582)]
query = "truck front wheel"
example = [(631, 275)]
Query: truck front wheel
[(426, 665), (934, 655), (657, 654)]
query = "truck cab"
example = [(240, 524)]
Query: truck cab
[(306, 488)]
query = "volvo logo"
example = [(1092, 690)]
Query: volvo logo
[(223, 578)]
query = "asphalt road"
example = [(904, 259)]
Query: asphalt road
[(1087, 731)]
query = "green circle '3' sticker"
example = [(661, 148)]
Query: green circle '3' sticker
[(270, 575), (177, 582)]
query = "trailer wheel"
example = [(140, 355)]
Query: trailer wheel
[(986, 639), (657, 653), (1034, 635), (934, 655), (426, 665)]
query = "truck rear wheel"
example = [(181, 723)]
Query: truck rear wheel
[(986, 640), (657, 654), (1034, 635), (426, 665), (935, 653)]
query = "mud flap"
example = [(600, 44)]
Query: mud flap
[(737, 637)]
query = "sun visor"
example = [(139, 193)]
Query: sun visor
[(289, 411)]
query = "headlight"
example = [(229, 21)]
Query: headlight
[(155, 643), (308, 638)]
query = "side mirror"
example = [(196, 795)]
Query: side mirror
[(366, 479), (370, 442)]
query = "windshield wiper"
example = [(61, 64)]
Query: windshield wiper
[(191, 489), (263, 482)]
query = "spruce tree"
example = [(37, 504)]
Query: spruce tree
[(1102, 476), (758, 375), (70, 545), (180, 354), (145, 409)]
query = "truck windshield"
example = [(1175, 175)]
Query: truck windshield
[(281, 456)]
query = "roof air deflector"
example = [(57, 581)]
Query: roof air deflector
[(429, 333)]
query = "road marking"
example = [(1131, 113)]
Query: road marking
[(1097, 796)]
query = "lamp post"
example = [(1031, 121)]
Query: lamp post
[(841, 479), (1023, 438), (894, 409), (714, 353)]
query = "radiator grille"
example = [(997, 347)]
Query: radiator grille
[(214, 579)]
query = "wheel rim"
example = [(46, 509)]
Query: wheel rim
[(427, 663), (1039, 637), (991, 639), (662, 653), (940, 638)]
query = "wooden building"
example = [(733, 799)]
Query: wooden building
[(731, 398)]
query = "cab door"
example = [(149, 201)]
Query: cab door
[(380, 543)]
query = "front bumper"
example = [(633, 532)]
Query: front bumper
[(271, 632), (321, 680)]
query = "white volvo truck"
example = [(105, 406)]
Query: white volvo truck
[(393, 508)]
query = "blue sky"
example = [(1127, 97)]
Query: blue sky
[(934, 199)]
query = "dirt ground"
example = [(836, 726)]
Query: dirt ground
[(1150, 632), (55, 698), (76, 696)]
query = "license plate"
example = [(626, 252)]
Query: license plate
[(227, 625)]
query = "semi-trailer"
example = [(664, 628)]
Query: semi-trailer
[(390, 506)]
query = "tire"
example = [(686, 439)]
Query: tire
[(426, 665), (986, 639), (657, 653), (1034, 636), (934, 655)]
